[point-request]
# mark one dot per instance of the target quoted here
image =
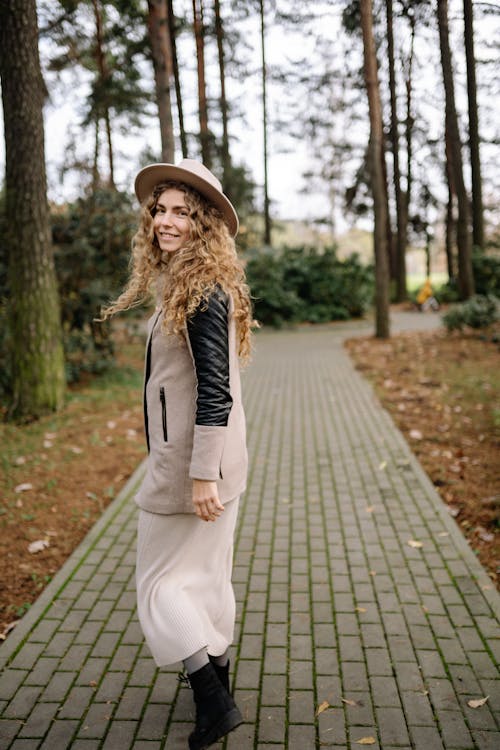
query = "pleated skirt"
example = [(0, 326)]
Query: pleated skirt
[(185, 597)]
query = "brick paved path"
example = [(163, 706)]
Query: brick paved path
[(334, 605)]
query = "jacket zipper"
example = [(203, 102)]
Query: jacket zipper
[(164, 413)]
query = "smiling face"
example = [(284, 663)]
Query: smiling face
[(170, 221)]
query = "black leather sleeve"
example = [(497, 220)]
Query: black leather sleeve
[(208, 336)]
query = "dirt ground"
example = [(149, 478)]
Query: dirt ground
[(443, 392), (59, 473)]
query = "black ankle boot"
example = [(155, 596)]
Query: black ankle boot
[(216, 712), (222, 672)]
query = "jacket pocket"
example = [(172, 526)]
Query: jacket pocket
[(163, 401)]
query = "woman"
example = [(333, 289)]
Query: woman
[(195, 429)]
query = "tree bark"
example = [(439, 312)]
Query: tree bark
[(377, 178), (35, 334), (465, 275), (267, 215), (451, 227), (401, 231), (103, 76), (409, 127), (159, 35), (477, 191), (177, 80), (226, 159), (206, 151)]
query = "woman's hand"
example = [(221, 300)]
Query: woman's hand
[(206, 501)]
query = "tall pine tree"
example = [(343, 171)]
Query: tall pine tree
[(38, 381)]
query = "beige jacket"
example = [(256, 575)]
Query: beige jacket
[(180, 449)]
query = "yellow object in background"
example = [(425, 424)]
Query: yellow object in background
[(425, 292)]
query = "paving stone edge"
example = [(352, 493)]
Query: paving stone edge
[(16, 639)]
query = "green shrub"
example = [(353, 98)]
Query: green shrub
[(486, 269), (304, 284), (91, 249), (273, 304), (479, 311), (447, 293)]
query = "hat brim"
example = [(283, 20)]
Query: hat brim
[(153, 174)]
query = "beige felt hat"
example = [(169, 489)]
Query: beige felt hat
[(194, 174)]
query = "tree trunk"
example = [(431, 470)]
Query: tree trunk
[(391, 245), (451, 228), (35, 334), (206, 150), (409, 132), (95, 163), (226, 159), (465, 276), (400, 259), (377, 178), (177, 80), (267, 215), (162, 64), (477, 192), (103, 76)]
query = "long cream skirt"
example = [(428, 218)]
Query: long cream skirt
[(185, 597)]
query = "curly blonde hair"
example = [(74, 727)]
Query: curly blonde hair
[(187, 277)]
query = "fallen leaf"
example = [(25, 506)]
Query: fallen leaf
[(444, 533), (76, 449), (366, 741), (23, 487), (370, 509), (415, 544), (38, 546), (50, 435), (20, 460), (111, 425), (7, 630), (373, 572), (486, 536), (360, 609), (453, 511), (47, 444), (416, 435), (383, 465), (478, 702), (93, 683), (322, 708), (349, 702)]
